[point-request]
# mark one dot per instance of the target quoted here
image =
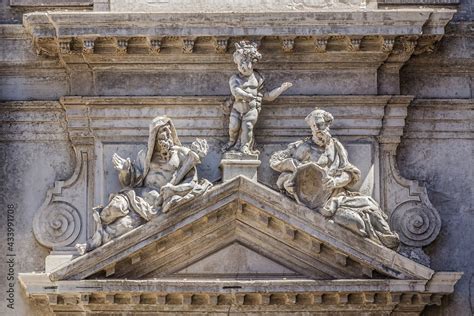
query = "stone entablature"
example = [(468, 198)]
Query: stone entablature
[(241, 6), (372, 30), (347, 297), (440, 119)]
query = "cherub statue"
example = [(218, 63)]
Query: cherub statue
[(316, 172), (163, 175), (248, 92)]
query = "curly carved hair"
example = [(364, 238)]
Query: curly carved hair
[(317, 112), (248, 50)]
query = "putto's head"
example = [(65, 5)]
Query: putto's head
[(319, 121), (245, 56)]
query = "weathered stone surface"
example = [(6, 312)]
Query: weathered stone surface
[(247, 95), (163, 175), (316, 172), (349, 297), (229, 6), (385, 48)]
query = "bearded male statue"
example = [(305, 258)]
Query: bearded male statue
[(316, 172), (162, 175)]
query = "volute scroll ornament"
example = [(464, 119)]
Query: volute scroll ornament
[(417, 225), (58, 225)]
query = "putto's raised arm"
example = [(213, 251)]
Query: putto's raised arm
[(247, 88), (275, 93)]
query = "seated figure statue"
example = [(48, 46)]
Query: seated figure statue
[(316, 172), (163, 175)]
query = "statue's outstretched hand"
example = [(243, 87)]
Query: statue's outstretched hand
[(286, 85), (120, 163), (200, 147)]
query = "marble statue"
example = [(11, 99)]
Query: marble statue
[(316, 172), (163, 175), (248, 92)]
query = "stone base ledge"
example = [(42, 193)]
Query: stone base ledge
[(290, 295)]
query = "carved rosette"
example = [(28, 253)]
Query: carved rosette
[(416, 225), (57, 225)]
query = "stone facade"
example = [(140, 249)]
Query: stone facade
[(81, 80)]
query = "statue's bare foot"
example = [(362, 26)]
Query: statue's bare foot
[(81, 248), (246, 150)]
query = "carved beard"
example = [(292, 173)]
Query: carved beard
[(321, 137), (163, 148)]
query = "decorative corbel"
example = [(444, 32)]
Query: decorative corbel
[(88, 45), (154, 44), (410, 211), (288, 44), (121, 45), (220, 44), (188, 45), (353, 44), (427, 44), (320, 44)]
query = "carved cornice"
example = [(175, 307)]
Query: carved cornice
[(32, 121), (329, 31), (440, 119), (274, 296), (417, 2), (362, 116)]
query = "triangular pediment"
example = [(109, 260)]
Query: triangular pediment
[(241, 226), (236, 261)]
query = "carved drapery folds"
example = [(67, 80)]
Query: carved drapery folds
[(162, 176), (317, 173)]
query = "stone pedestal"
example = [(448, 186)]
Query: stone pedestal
[(238, 164)]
